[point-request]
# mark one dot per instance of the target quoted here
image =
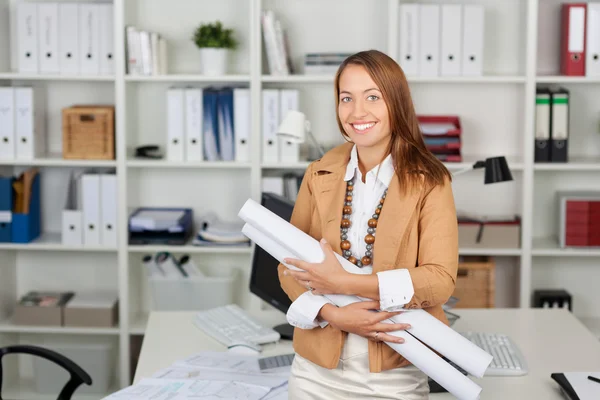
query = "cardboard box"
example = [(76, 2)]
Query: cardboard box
[(92, 310), (41, 308)]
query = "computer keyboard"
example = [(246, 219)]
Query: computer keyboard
[(230, 324), (508, 359)]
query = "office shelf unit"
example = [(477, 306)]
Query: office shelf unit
[(497, 112)]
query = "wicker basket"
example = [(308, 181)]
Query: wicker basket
[(89, 132), (475, 282)]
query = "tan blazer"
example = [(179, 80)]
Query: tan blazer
[(418, 232)]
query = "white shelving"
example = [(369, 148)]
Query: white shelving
[(496, 109)]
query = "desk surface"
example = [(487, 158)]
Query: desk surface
[(551, 341)]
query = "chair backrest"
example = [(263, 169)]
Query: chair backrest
[(78, 375)]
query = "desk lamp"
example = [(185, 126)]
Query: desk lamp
[(496, 170), (295, 127)]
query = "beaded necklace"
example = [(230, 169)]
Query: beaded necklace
[(367, 259)]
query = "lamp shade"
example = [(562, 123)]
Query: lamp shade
[(496, 170), (293, 127)]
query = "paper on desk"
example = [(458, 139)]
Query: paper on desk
[(222, 361), (281, 393), (179, 372), (174, 389), (282, 239), (585, 388)]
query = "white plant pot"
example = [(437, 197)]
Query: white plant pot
[(213, 61)]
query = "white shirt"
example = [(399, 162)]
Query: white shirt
[(395, 286)]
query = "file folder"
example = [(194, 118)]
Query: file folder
[(89, 39), (572, 47), (542, 125), (270, 124), (26, 219), (409, 39), (68, 38), (429, 37), (175, 124), (7, 123), (48, 37), (560, 125), (90, 204), (473, 35), (108, 214), (592, 41), (241, 124), (29, 123), (106, 33), (27, 36), (225, 120), (193, 124), (6, 206), (72, 216), (451, 39), (289, 152), (210, 129)]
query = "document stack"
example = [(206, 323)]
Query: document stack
[(580, 39), (23, 133), (441, 39), (65, 38), (323, 63), (172, 226), (89, 217), (276, 103), (146, 52), (442, 136), (212, 375), (551, 124), (276, 45), (215, 232), (208, 124)]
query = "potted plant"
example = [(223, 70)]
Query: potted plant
[(214, 43)]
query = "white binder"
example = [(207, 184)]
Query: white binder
[(241, 124), (48, 37), (27, 37), (193, 124), (68, 38), (270, 123), (288, 152), (451, 39), (107, 59), (90, 206), (429, 39), (108, 213), (7, 123), (175, 124), (89, 39), (72, 216), (409, 39), (592, 52), (29, 123), (473, 35)]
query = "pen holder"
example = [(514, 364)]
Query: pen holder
[(27, 227)]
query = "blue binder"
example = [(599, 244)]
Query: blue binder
[(27, 227), (6, 200)]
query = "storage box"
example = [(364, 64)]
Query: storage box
[(41, 308), (89, 132), (97, 359), (93, 310), (475, 283), (192, 293)]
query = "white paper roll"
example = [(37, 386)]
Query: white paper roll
[(424, 326), (412, 349)]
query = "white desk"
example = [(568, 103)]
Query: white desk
[(551, 340)]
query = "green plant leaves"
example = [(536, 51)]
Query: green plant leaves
[(214, 35)]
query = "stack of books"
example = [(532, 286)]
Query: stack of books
[(146, 52), (323, 63)]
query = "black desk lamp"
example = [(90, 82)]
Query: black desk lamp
[(496, 170)]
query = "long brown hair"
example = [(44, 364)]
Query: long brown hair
[(409, 152)]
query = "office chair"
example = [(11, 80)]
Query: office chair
[(78, 375)]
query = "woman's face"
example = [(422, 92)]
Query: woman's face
[(362, 111)]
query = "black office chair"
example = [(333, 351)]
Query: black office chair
[(78, 375)]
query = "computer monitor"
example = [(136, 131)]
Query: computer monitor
[(264, 279)]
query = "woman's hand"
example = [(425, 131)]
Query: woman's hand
[(361, 319), (327, 277)]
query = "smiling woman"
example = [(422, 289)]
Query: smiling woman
[(385, 203)]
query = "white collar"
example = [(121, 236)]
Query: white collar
[(385, 174)]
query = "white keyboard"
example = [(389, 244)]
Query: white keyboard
[(508, 359), (230, 324)]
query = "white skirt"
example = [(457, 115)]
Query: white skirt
[(352, 379)]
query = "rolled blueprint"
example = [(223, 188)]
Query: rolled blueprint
[(412, 349)]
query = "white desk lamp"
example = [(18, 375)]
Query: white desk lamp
[(294, 129)]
